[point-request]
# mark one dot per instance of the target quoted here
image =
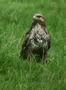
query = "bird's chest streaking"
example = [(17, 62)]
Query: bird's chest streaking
[(38, 37)]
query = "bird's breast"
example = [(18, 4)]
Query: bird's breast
[(38, 37)]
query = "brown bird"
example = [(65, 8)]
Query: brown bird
[(37, 39)]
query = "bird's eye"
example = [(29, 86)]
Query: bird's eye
[(38, 16)]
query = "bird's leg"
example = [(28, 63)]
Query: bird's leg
[(44, 57), (29, 55)]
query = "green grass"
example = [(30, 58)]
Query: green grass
[(15, 20)]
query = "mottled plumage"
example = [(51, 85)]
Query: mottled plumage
[(37, 39)]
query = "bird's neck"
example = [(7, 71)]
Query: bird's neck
[(38, 22)]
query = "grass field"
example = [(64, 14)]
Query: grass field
[(15, 20)]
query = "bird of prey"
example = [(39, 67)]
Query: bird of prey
[(37, 40)]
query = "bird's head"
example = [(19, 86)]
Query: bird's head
[(39, 18)]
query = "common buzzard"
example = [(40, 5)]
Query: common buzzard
[(37, 39)]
